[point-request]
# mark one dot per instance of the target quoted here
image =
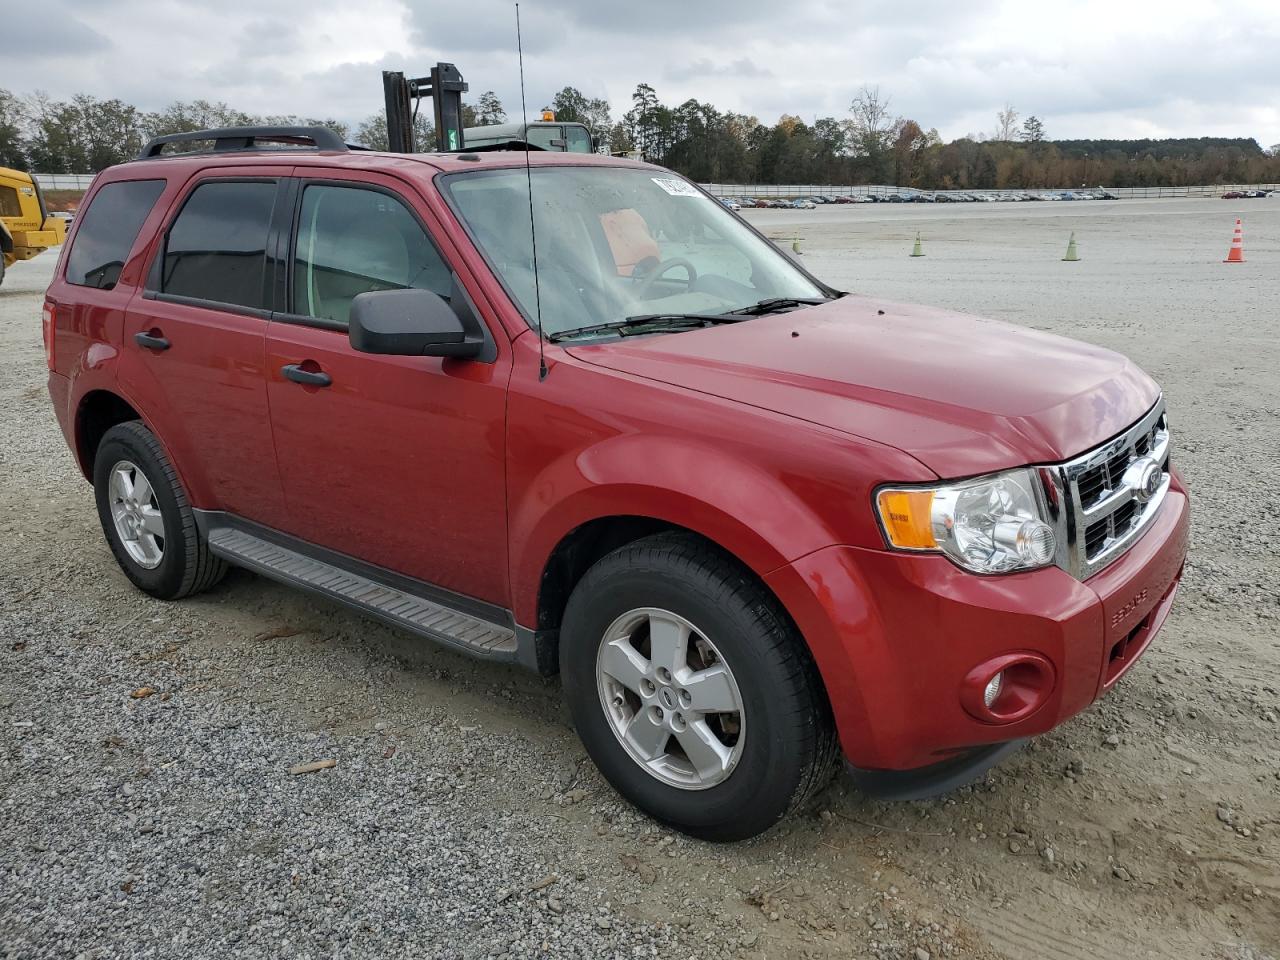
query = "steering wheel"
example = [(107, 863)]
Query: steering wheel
[(662, 268)]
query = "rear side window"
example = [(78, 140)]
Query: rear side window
[(107, 231), (217, 247)]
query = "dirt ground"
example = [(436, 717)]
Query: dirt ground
[(1148, 827)]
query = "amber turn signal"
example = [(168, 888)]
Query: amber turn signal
[(907, 518)]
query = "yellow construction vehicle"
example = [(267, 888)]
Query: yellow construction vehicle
[(26, 227)]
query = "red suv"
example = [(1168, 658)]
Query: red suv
[(569, 411)]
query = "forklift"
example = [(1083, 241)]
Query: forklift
[(445, 87)]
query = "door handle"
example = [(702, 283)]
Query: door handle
[(312, 378), (151, 341)]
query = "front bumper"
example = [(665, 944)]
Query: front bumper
[(894, 636)]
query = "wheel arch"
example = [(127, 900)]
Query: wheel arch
[(97, 412), (100, 408), (580, 548)]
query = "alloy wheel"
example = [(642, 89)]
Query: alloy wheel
[(136, 512), (670, 698)]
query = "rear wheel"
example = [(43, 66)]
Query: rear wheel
[(692, 691), (145, 515)]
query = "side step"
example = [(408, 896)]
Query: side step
[(398, 607)]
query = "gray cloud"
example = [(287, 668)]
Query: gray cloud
[(741, 67), (52, 30), (1087, 67), (268, 38)]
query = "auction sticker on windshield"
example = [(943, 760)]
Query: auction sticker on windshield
[(677, 188)]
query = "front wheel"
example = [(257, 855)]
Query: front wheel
[(692, 691)]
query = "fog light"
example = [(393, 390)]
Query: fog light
[(992, 690), (1008, 687)]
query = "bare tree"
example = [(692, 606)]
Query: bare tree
[(1006, 123), (872, 123), (872, 130)]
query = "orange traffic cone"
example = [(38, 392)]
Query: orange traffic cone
[(1237, 245)]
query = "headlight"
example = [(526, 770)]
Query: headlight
[(990, 525)]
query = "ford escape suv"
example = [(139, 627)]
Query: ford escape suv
[(755, 524)]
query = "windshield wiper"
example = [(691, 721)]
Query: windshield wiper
[(652, 322), (770, 304), (655, 322)]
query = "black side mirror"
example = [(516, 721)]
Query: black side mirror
[(414, 323)]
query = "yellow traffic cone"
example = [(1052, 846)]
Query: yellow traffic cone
[(1071, 249), (917, 250)]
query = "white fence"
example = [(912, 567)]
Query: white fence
[(64, 181), (81, 181), (760, 190)]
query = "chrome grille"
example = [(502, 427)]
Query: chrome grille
[(1093, 500)]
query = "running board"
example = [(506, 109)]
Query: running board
[(398, 607)]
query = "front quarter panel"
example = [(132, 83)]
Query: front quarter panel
[(586, 443)]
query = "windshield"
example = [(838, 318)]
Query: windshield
[(616, 242)]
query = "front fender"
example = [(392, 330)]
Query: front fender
[(586, 442), (741, 506)]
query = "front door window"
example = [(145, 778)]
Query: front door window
[(351, 241)]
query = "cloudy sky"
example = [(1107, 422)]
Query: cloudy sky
[(1087, 68)]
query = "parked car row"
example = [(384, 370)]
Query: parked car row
[(801, 203), (1246, 194), (809, 203), (1012, 197), (791, 203)]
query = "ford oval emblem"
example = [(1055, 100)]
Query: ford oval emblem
[(1145, 476)]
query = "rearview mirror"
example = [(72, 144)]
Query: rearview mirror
[(412, 323)]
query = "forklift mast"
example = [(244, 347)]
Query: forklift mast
[(444, 87)]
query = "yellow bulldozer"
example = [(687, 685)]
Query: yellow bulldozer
[(26, 226)]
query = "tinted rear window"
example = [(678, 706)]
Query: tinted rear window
[(216, 248), (107, 231)]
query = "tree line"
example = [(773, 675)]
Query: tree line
[(871, 144)]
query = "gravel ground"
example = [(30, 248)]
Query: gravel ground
[(147, 807)]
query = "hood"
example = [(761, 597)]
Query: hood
[(961, 394)]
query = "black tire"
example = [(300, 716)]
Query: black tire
[(789, 748), (186, 566)]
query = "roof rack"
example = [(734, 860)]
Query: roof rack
[(229, 139)]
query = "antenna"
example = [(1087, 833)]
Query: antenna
[(533, 233)]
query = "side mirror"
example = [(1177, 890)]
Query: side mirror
[(412, 323)]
